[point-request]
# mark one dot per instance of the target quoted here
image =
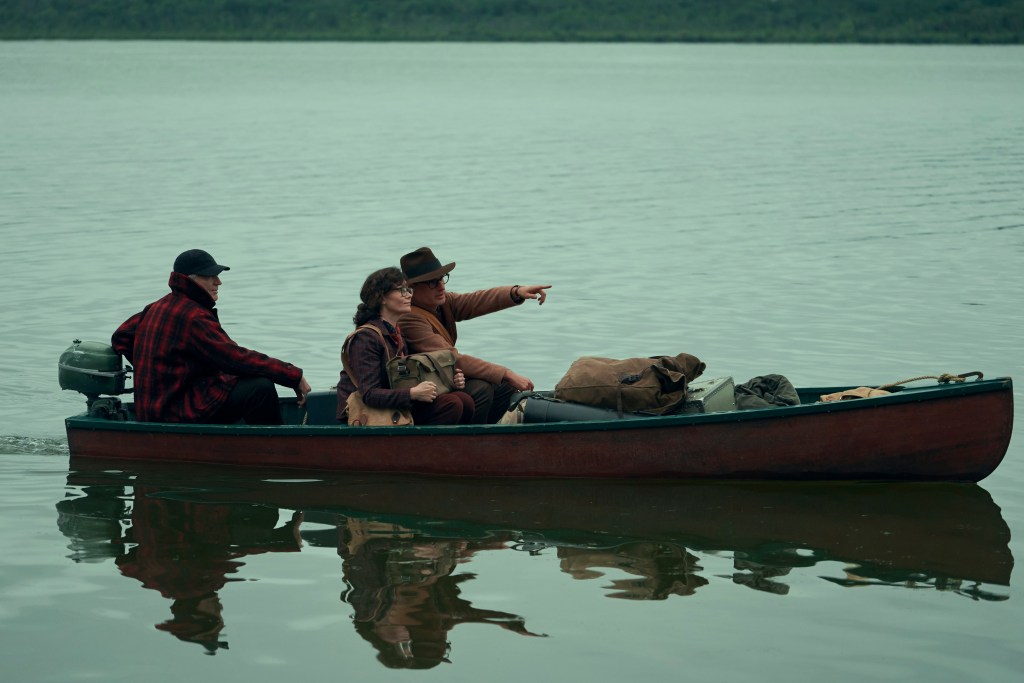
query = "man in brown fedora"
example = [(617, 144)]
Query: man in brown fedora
[(430, 326)]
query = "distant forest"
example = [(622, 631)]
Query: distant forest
[(780, 21)]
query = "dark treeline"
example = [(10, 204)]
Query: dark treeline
[(864, 21)]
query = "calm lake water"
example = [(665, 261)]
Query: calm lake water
[(834, 214)]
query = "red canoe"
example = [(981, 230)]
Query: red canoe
[(953, 432)]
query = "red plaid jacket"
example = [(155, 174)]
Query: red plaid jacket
[(185, 363)]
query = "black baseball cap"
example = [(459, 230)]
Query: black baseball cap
[(197, 262)]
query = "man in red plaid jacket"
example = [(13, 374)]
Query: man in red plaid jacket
[(187, 369)]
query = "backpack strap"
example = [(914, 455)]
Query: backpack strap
[(344, 350)]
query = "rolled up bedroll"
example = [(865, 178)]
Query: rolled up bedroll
[(537, 409)]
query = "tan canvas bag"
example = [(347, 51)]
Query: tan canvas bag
[(361, 415), (654, 385)]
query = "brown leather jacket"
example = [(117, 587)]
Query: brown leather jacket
[(432, 330)]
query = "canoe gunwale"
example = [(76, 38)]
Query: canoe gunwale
[(910, 395)]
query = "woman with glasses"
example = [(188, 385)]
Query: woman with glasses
[(384, 297)]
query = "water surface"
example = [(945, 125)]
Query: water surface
[(831, 213)]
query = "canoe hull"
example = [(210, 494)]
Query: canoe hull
[(957, 433)]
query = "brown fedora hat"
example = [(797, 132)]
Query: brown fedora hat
[(421, 265)]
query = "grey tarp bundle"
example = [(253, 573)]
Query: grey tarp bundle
[(766, 391)]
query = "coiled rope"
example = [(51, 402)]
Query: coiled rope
[(944, 378)]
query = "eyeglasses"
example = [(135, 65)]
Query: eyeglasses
[(439, 281), (404, 291)]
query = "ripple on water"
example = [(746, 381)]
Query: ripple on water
[(28, 445)]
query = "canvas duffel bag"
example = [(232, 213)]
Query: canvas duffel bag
[(431, 366), (654, 385), (361, 415)]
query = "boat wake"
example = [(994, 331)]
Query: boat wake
[(31, 445)]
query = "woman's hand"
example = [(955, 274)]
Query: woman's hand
[(424, 391), (460, 379)]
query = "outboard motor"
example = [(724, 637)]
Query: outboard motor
[(96, 370)]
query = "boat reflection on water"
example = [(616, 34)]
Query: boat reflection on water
[(185, 532), (184, 550), (405, 594)]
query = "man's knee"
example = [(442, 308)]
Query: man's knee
[(490, 400), (260, 387), (255, 399), (482, 393), (501, 401)]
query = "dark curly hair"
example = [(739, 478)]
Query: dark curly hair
[(376, 287)]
